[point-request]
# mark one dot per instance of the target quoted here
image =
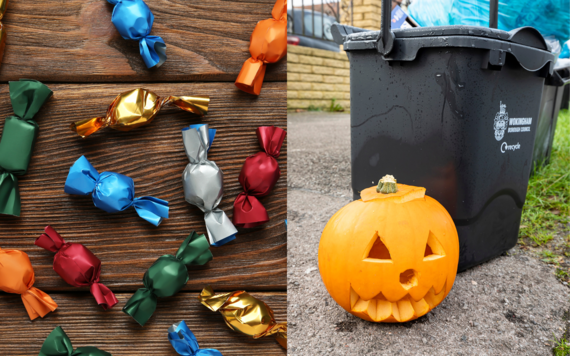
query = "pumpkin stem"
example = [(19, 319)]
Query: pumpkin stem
[(387, 185)]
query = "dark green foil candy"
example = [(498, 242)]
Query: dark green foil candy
[(17, 142), (58, 344), (167, 276)]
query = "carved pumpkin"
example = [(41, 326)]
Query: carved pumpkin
[(390, 256)]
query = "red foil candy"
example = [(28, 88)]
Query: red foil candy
[(258, 176), (77, 265)]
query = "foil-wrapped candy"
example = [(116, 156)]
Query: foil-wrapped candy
[(203, 183), (268, 44), (17, 277), (18, 136), (167, 276), (77, 265), (185, 343), (133, 19), (113, 192), (258, 176), (136, 108), (58, 344), (246, 314)]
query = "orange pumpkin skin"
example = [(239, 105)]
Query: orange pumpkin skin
[(389, 257)]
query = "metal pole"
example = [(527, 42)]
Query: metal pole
[(313, 16), (292, 17), (494, 13), (302, 16), (322, 20)]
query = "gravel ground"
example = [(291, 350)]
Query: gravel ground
[(512, 305)]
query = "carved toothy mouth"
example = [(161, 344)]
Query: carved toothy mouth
[(379, 309)]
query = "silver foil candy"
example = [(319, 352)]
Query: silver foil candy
[(203, 184)]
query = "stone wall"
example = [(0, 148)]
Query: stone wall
[(315, 77), (367, 14)]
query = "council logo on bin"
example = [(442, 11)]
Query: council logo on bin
[(501, 122)]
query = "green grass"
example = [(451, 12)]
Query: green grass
[(561, 346), (335, 107), (548, 197)]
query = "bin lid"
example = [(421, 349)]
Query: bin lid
[(526, 44)]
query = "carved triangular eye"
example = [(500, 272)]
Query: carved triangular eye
[(378, 249), (433, 248)]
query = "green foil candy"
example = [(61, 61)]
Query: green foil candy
[(58, 344), (18, 138), (167, 276)]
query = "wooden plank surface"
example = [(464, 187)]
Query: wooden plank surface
[(87, 324), (154, 157), (75, 41)]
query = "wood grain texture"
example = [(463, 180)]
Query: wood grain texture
[(75, 41), (154, 157), (87, 324)]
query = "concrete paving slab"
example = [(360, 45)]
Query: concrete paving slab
[(512, 305)]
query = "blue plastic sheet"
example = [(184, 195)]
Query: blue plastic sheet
[(550, 17), (430, 12)]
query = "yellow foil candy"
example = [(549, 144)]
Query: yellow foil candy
[(137, 108), (245, 314)]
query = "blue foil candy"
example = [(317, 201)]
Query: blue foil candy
[(185, 343), (133, 19), (112, 192)]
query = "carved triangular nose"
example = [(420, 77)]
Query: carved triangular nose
[(409, 279)]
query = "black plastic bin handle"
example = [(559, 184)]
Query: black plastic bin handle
[(386, 40)]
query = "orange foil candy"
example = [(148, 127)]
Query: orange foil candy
[(268, 44), (17, 277)]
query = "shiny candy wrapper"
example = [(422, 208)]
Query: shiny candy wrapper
[(203, 183), (58, 344), (17, 277), (185, 343), (113, 192), (133, 19), (167, 276), (268, 44), (245, 314), (17, 142), (258, 176), (77, 265), (136, 108)]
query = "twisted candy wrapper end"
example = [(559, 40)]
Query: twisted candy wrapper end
[(244, 313), (17, 277), (88, 268), (58, 344), (136, 108), (268, 44), (203, 183), (133, 19), (185, 343), (258, 177), (116, 195), (163, 279), (18, 136)]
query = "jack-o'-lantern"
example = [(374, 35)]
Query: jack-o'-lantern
[(390, 256)]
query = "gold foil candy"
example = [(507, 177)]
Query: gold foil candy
[(137, 108), (245, 314)]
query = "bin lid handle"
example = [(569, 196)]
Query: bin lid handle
[(528, 36), (386, 38)]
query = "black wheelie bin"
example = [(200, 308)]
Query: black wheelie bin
[(453, 109)]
